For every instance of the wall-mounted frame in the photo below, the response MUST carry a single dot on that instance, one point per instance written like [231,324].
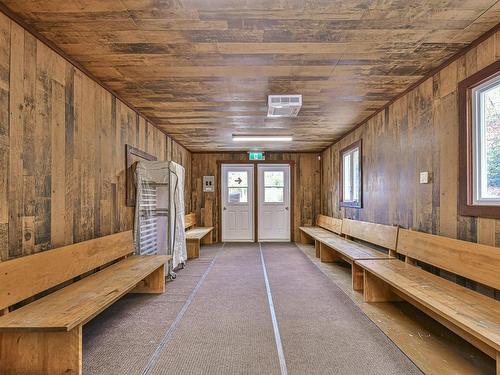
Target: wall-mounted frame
[351,176]
[473,160]
[133,155]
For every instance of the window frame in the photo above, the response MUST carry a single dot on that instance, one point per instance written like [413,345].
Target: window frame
[467,205]
[353,204]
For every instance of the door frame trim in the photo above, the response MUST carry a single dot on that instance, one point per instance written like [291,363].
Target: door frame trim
[255,192]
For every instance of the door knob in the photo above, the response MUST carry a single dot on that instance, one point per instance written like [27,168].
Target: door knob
[224,208]
[286,208]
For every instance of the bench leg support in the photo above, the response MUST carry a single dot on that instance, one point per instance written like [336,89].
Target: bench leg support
[328,255]
[376,290]
[41,353]
[304,238]
[357,277]
[193,249]
[154,283]
[317,247]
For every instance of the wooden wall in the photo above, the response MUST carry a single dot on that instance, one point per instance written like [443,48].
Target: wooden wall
[418,132]
[62,150]
[306,194]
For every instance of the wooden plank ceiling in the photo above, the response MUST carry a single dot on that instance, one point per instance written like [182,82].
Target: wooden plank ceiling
[201,69]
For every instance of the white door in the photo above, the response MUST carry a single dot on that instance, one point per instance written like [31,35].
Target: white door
[274,202]
[237,202]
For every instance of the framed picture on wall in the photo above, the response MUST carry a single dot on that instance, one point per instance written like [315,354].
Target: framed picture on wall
[133,155]
[351,188]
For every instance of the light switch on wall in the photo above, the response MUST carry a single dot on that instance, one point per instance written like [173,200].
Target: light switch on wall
[424,177]
[208,184]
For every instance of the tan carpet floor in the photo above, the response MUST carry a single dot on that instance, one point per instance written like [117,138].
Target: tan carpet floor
[215,319]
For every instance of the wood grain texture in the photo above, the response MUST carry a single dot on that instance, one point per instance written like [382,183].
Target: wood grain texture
[418,132]
[42,353]
[306,195]
[471,312]
[201,70]
[78,303]
[476,262]
[330,223]
[62,150]
[27,276]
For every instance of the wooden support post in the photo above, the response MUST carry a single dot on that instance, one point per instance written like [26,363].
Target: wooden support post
[317,245]
[327,254]
[41,353]
[377,290]
[193,248]
[357,276]
[207,240]
[305,238]
[154,283]
[498,363]
[411,261]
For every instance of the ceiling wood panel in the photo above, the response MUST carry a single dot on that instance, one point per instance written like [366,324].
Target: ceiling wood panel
[201,70]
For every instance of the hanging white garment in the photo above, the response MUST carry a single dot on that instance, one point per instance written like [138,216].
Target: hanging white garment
[177,212]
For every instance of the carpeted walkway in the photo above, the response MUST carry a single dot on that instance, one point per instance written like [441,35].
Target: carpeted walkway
[215,319]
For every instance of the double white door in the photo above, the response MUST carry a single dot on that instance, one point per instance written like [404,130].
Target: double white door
[272,200]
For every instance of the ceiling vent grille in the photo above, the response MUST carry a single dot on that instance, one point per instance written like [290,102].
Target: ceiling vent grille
[283,105]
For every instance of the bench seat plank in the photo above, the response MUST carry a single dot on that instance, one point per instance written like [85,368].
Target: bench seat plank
[353,250]
[470,311]
[197,233]
[79,302]
[316,232]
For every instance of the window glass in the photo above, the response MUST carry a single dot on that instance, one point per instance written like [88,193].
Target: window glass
[237,179]
[486,131]
[238,195]
[347,178]
[237,182]
[274,178]
[274,186]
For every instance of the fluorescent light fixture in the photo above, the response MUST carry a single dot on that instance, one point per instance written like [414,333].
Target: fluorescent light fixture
[262,138]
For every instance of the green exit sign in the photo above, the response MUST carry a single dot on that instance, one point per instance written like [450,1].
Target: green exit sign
[257,156]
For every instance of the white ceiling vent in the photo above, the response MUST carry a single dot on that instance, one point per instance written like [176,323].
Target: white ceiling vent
[283,105]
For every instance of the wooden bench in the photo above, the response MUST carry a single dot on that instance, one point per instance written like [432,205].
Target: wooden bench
[45,336]
[195,236]
[471,315]
[326,226]
[332,247]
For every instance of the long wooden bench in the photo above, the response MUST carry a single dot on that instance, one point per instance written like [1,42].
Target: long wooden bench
[331,247]
[471,315]
[45,336]
[195,236]
[326,226]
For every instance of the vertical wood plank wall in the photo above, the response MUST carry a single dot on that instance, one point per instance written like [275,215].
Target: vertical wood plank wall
[418,132]
[306,194]
[62,150]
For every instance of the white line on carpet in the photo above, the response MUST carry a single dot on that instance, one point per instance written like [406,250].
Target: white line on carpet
[277,337]
[168,334]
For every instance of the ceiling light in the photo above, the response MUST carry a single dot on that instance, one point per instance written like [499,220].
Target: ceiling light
[262,138]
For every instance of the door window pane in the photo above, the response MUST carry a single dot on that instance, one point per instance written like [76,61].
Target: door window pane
[486,131]
[274,178]
[237,195]
[274,186]
[237,179]
[273,195]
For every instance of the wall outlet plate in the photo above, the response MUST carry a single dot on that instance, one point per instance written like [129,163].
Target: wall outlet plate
[424,177]
[208,184]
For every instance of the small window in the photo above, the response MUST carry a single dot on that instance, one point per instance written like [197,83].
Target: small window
[237,183]
[486,142]
[274,186]
[480,143]
[350,176]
